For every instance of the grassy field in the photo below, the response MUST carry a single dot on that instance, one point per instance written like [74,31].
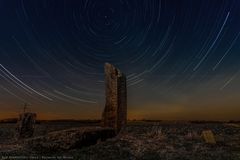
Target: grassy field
[140,140]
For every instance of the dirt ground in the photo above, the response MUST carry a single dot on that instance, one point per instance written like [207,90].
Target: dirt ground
[137,141]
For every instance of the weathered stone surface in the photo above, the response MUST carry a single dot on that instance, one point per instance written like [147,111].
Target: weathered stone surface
[208,137]
[25,125]
[115,111]
[69,139]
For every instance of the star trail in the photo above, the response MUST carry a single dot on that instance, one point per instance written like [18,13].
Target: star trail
[181,57]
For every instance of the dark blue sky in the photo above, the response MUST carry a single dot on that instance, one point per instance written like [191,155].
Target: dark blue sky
[181,57]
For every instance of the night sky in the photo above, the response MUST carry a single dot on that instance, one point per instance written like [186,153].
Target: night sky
[181,57]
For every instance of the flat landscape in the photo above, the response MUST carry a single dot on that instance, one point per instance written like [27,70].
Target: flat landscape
[139,140]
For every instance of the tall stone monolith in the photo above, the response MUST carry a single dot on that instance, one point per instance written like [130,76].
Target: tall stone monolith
[115,111]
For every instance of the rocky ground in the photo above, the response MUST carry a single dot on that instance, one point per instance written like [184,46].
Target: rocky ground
[143,141]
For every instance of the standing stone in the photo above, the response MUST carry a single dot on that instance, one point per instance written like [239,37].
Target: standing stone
[25,125]
[115,112]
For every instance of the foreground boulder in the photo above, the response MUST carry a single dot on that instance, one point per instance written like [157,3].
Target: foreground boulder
[69,139]
[209,137]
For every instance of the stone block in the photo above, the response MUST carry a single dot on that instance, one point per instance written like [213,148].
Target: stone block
[25,125]
[115,111]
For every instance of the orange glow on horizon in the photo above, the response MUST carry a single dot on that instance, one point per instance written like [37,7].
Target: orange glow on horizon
[153,113]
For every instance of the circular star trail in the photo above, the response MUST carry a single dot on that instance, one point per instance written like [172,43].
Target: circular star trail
[174,54]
